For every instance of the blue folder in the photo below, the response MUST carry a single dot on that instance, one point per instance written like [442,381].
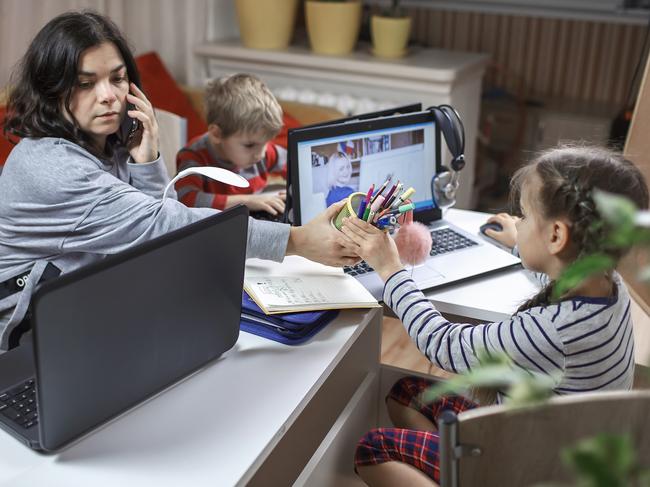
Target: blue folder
[287,328]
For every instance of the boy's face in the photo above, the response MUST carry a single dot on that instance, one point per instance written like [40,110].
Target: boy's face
[241,149]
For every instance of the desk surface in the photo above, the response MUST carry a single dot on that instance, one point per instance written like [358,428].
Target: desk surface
[215,428]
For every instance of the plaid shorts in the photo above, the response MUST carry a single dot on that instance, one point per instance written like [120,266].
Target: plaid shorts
[417,448]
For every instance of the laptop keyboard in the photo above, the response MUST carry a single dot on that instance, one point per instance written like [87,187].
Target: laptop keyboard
[447,240]
[19,404]
[444,240]
[357,269]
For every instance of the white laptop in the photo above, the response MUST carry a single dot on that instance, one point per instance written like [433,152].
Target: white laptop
[406,147]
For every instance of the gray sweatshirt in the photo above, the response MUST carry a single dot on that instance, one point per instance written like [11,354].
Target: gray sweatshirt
[60,204]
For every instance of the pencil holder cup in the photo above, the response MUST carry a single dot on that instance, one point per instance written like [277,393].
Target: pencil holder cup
[351,207]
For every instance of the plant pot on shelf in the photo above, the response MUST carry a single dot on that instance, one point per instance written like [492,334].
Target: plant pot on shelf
[333,27]
[390,35]
[266,24]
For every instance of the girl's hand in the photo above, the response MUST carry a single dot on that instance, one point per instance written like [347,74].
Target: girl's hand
[507,236]
[143,147]
[374,246]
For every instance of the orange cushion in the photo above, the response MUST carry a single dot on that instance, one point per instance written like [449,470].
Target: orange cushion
[5,145]
[288,123]
[164,93]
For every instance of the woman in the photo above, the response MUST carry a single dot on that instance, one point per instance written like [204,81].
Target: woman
[77,187]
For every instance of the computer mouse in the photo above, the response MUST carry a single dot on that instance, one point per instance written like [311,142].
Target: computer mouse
[491,225]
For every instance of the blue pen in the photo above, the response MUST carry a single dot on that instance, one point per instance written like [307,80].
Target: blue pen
[386,221]
[362,208]
[364,204]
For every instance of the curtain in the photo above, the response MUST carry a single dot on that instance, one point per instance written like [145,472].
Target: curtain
[170,27]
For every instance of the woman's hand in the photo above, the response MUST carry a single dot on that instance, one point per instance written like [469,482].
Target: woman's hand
[143,147]
[374,246]
[319,241]
[507,236]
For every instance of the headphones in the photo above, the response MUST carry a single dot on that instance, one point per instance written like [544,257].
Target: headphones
[445,184]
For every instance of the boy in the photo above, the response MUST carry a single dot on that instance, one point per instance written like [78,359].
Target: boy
[243,116]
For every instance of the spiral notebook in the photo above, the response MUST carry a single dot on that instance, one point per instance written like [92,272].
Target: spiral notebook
[298,284]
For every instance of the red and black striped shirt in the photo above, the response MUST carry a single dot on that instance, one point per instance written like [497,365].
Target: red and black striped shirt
[199,191]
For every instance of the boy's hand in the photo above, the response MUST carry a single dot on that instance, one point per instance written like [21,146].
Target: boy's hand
[270,203]
[507,236]
[374,246]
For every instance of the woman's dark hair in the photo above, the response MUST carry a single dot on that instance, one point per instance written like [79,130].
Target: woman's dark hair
[568,176]
[47,75]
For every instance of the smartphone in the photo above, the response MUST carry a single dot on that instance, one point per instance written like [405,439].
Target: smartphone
[129,126]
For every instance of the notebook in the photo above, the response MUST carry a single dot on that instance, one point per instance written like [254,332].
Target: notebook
[298,284]
[113,334]
[407,148]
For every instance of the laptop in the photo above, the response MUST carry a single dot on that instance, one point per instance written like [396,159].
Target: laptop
[287,216]
[110,335]
[406,147]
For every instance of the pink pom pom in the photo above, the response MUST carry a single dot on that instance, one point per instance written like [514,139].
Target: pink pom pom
[413,242]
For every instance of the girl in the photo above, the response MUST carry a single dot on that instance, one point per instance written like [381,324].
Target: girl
[339,172]
[76,187]
[585,338]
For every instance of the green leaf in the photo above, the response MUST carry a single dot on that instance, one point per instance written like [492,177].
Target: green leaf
[616,210]
[498,372]
[602,461]
[580,270]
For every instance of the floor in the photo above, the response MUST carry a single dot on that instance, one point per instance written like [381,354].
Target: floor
[398,349]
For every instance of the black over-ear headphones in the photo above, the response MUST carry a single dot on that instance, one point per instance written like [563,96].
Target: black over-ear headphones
[445,184]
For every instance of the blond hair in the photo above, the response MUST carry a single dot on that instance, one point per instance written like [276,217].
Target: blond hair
[335,159]
[242,103]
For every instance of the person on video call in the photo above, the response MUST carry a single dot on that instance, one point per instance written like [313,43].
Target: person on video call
[339,173]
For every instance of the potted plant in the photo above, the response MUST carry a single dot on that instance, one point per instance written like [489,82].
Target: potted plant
[268,24]
[390,32]
[333,25]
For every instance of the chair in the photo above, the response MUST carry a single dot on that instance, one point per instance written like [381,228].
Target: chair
[172,132]
[497,446]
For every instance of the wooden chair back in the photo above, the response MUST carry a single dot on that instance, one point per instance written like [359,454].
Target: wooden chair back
[499,446]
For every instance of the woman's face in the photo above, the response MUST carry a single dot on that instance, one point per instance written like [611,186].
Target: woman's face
[98,101]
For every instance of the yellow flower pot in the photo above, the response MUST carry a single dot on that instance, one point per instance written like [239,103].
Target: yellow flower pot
[390,35]
[266,24]
[333,27]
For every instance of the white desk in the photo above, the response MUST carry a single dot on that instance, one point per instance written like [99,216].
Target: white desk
[260,413]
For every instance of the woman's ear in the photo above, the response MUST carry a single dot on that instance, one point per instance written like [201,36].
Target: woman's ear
[559,237]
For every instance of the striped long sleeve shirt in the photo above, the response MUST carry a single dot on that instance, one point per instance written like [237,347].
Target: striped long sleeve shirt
[199,191]
[587,343]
